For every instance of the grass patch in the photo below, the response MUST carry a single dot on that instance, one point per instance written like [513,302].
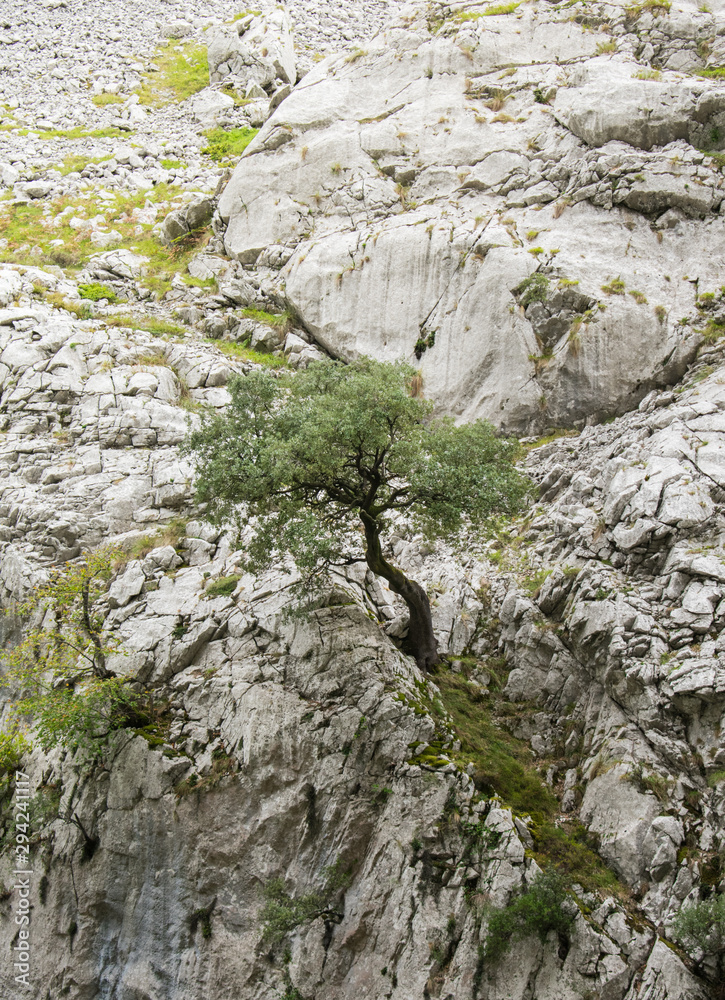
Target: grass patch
[223,587]
[241,352]
[183,71]
[81,310]
[560,432]
[80,133]
[74,164]
[501,8]
[503,767]
[156,327]
[503,763]
[39,223]
[225,144]
[101,100]
[570,849]
[714,73]
[171,534]
[280,320]
[655,7]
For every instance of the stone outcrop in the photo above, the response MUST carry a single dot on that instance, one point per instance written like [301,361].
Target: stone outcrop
[460,154]
[521,204]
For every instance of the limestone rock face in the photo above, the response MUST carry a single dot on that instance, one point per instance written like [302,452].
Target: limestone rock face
[528,206]
[293,745]
[459,155]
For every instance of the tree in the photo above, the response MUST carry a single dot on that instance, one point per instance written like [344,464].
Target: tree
[311,459]
[60,665]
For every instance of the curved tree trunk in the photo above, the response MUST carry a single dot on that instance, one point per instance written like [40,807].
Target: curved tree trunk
[420,632]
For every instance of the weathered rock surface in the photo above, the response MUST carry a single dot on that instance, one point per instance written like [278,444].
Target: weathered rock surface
[392,177]
[459,155]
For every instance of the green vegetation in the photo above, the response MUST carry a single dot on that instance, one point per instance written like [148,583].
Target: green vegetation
[503,763]
[713,73]
[13,746]
[183,71]
[280,320]
[281,913]
[654,7]
[74,699]
[80,133]
[79,163]
[615,287]
[223,587]
[603,48]
[39,224]
[95,292]
[242,352]
[156,327]
[701,926]
[648,74]
[503,767]
[535,288]
[314,458]
[227,144]
[101,100]
[639,297]
[538,910]
[202,918]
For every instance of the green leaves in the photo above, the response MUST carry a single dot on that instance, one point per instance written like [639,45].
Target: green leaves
[538,910]
[301,458]
[60,664]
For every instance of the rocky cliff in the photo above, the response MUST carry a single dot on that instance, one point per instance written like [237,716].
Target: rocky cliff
[523,200]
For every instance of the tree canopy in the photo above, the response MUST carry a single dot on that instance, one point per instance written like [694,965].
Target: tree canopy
[312,459]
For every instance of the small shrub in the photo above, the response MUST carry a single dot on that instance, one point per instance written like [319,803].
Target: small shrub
[701,926]
[202,918]
[95,292]
[538,910]
[281,913]
[535,288]
[156,327]
[13,746]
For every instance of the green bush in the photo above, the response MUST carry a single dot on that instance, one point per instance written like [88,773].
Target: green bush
[535,288]
[701,926]
[281,913]
[538,910]
[95,292]
[13,746]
